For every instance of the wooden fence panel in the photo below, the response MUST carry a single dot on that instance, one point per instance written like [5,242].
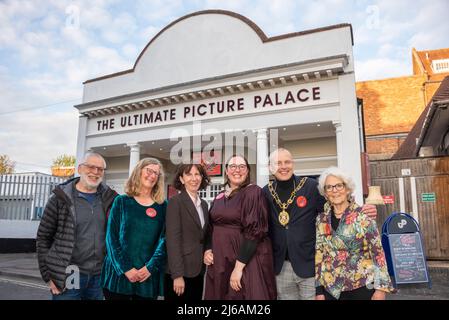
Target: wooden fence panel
[427,175]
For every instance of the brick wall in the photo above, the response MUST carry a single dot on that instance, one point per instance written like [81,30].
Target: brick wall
[390,106]
[380,149]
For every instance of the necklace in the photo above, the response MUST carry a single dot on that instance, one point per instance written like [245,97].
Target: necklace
[283,217]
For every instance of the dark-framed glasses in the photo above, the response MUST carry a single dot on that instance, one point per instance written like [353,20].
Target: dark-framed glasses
[338,187]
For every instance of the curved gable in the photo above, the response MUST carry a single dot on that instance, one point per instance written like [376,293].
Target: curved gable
[209,44]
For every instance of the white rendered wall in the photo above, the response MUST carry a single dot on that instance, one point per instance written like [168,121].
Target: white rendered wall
[211,45]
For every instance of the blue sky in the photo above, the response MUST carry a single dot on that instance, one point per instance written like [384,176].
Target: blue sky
[48,48]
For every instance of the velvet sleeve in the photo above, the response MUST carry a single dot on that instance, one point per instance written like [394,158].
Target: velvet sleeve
[118,255]
[159,258]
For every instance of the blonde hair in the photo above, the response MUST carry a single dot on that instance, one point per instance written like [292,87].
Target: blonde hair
[132,186]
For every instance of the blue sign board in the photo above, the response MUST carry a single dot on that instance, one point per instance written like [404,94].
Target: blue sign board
[403,246]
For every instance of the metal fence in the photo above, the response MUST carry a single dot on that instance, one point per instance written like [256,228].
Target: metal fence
[23,196]
[210,192]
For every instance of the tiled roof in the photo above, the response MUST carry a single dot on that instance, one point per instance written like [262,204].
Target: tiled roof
[427,56]
[410,148]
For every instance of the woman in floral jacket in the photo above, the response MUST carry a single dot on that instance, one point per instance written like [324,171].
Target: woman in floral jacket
[349,262]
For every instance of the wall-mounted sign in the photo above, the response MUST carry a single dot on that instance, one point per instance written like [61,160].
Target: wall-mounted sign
[428,197]
[301,95]
[406,172]
[388,199]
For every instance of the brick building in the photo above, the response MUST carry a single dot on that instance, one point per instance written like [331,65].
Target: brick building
[392,106]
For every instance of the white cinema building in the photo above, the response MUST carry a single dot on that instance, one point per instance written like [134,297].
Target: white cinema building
[217,72]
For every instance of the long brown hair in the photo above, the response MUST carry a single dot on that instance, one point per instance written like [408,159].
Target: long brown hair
[247,180]
[132,186]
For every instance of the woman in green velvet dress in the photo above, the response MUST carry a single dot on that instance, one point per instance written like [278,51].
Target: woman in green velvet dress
[134,266]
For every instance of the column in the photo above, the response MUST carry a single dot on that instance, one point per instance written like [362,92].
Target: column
[134,155]
[262,157]
[339,138]
[81,141]
[349,141]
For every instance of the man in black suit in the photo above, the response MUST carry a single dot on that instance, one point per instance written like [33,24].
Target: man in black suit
[294,205]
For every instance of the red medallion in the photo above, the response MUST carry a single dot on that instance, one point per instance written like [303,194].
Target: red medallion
[301,202]
[151,212]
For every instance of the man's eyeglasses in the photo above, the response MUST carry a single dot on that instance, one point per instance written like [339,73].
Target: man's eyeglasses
[338,187]
[93,168]
[241,167]
[151,172]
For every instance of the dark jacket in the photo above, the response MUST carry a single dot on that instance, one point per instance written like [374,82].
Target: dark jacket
[56,233]
[299,235]
[185,238]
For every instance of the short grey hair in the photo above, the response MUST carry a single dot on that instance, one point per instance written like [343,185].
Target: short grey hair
[275,153]
[273,156]
[337,173]
[90,154]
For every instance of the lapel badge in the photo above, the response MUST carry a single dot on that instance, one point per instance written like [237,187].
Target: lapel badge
[301,201]
[151,212]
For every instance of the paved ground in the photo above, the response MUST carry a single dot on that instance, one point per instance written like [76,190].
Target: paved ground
[20,280]
[12,288]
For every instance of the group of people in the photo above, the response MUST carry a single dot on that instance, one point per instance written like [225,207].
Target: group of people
[296,238]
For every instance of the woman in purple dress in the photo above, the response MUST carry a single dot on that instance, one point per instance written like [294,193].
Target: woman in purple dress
[239,258]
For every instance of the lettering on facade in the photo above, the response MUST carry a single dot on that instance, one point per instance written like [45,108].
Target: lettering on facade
[211,109]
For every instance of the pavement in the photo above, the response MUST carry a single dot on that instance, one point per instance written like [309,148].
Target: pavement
[24,266]
[20,265]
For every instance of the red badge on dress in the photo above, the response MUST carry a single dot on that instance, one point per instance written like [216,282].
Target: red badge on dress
[301,202]
[219,196]
[151,212]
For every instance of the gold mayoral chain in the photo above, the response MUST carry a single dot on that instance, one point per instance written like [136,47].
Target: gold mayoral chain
[284,218]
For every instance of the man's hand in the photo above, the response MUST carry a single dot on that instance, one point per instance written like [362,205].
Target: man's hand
[54,290]
[320,297]
[370,210]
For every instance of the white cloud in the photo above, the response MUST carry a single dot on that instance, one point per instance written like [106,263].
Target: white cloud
[38,137]
[381,68]
[47,49]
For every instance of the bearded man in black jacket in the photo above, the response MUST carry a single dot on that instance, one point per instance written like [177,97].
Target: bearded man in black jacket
[71,235]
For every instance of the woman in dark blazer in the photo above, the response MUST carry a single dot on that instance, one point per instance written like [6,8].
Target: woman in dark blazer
[186,224]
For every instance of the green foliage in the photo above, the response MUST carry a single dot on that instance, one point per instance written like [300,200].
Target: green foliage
[64,161]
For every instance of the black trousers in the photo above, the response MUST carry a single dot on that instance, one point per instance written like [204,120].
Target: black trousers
[108,295]
[362,293]
[193,291]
